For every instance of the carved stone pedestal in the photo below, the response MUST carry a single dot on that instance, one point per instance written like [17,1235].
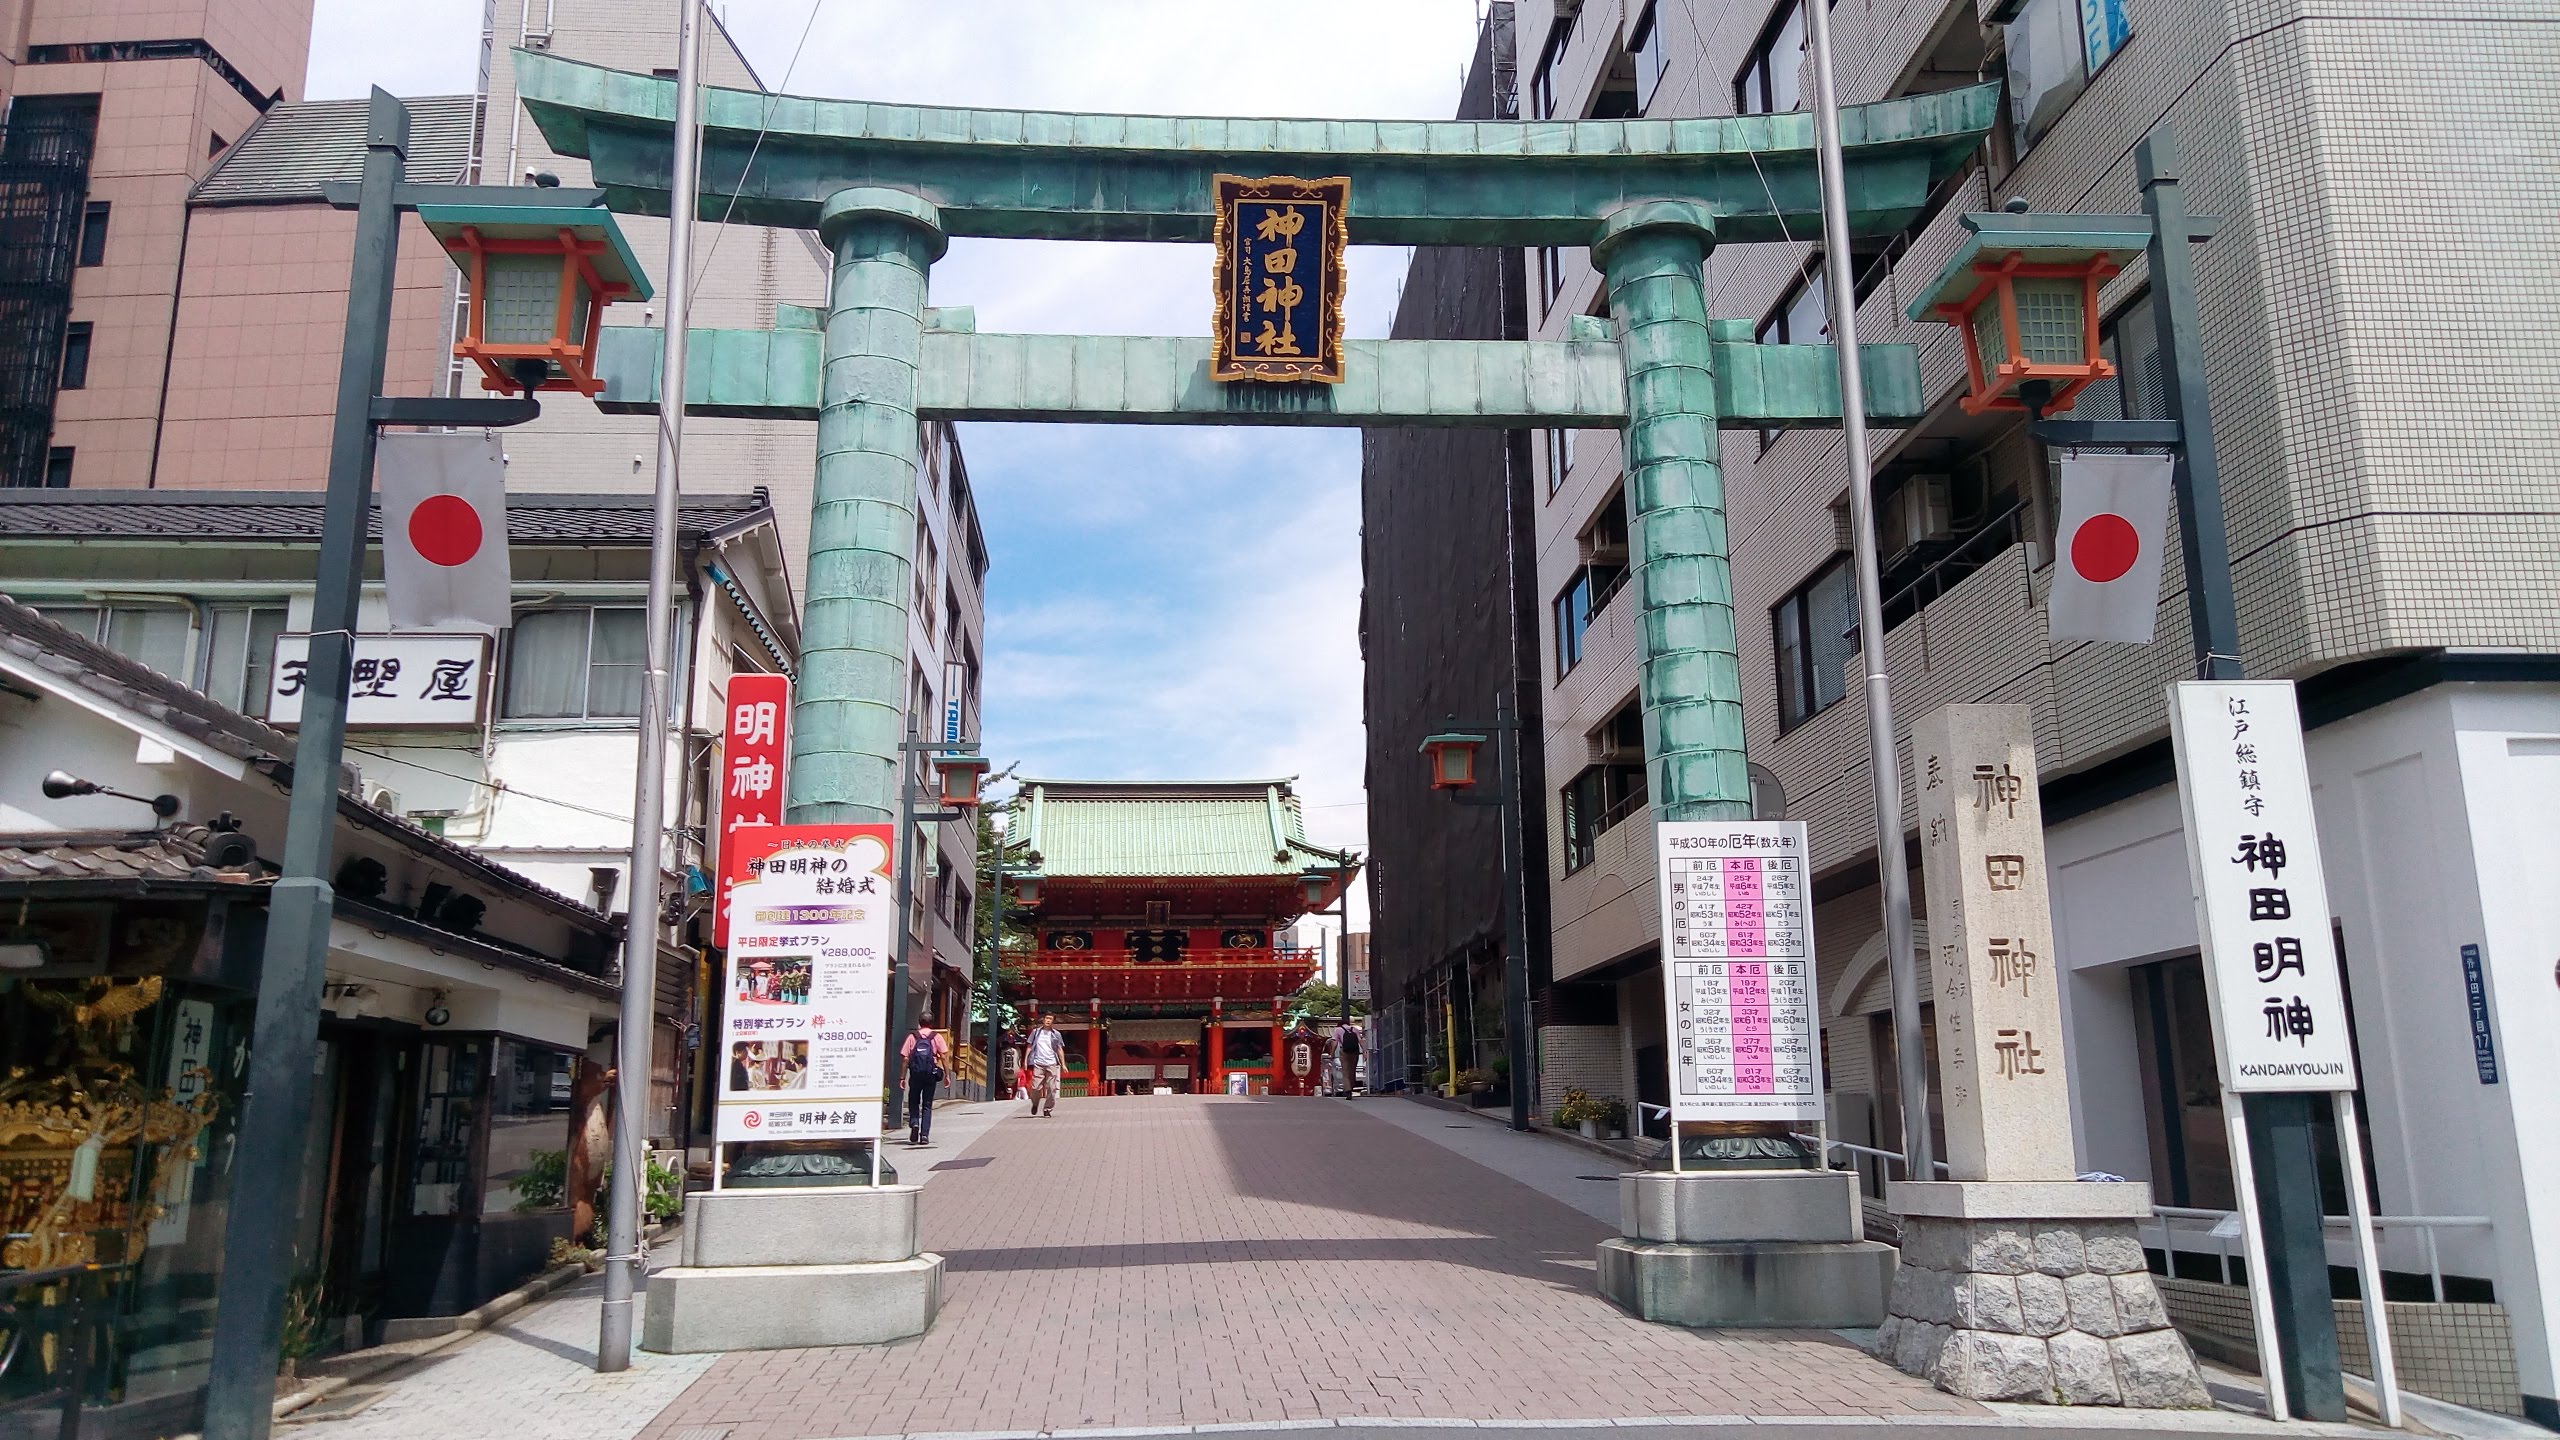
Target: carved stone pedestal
[2033,1292]
[793,1269]
[1778,1249]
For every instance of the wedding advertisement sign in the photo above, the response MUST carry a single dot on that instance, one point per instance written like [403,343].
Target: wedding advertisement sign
[812,927]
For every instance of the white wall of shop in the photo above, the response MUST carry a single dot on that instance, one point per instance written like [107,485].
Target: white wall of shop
[2440,826]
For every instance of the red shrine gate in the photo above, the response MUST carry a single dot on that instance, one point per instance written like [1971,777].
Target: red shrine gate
[1159,909]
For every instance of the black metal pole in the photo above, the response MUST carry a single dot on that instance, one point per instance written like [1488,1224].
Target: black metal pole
[258,1241]
[1515,928]
[2279,1126]
[1342,960]
[992,968]
[896,1088]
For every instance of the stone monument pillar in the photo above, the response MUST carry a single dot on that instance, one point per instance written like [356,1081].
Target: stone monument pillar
[2018,1281]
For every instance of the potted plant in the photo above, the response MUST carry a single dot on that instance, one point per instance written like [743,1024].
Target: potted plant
[1475,1080]
[1598,1117]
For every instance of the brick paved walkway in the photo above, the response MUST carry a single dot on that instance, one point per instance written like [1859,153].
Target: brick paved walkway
[1164,1260]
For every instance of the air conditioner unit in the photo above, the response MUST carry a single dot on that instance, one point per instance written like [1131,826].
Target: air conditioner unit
[1915,515]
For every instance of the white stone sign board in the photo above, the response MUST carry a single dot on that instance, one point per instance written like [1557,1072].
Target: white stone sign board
[2262,902]
[1737,969]
[417,681]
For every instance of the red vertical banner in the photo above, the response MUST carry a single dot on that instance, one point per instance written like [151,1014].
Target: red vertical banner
[755,751]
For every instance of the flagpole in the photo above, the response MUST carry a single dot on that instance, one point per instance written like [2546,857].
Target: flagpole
[648,808]
[1884,763]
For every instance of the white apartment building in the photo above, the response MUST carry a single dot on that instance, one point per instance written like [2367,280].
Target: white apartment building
[2377,310]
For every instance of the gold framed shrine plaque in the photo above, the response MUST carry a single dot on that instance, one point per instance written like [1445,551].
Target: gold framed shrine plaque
[1281,242]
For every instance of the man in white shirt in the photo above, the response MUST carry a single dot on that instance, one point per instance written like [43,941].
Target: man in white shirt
[1048,1058]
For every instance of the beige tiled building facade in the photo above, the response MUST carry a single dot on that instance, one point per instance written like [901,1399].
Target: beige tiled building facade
[2378,308]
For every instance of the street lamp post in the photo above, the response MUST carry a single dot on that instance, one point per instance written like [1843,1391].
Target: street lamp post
[258,1239]
[1337,878]
[1454,768]
[957,765]
[2040,370]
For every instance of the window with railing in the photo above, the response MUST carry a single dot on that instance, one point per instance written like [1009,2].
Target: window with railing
[1938,521]
[1814,629]
[1599,797]
[1590,588]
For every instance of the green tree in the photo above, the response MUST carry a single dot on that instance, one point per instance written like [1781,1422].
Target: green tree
[1320,1000]
[1003,927]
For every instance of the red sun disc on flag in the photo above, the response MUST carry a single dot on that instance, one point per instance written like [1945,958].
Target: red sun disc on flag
[2104,548]
[445,530]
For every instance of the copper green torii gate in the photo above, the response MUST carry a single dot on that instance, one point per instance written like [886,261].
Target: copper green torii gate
[886,186]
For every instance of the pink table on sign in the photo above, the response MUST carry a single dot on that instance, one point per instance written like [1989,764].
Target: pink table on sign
[1754,1049]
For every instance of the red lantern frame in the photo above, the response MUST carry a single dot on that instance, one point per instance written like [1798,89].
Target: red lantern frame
[1441,747]
[576,361]
[1997,389]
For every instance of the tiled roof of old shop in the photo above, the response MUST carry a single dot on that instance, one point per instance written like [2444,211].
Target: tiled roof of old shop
[292,517]
[156,856]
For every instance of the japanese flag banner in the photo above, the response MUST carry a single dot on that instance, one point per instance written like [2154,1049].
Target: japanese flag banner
[2115,524]
[444,531]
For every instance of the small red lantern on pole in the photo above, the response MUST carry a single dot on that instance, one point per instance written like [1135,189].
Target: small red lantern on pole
[539,279]
[1453,759]
[961,775]
[2023,291]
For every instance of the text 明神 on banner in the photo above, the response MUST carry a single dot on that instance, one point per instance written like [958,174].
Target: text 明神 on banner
[812,928]
[755,754]
[2262,903]
[1737,968]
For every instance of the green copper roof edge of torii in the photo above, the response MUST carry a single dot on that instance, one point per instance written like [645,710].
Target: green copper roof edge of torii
[1164,380]
[1065,176]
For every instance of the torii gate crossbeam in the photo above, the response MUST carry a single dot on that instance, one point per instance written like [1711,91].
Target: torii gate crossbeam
[886,186]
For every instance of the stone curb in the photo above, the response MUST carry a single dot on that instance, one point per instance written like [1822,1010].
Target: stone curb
[2002,1418]
[1536,1127]
[363,1365]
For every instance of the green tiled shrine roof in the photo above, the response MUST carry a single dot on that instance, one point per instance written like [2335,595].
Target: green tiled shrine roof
[1104,829]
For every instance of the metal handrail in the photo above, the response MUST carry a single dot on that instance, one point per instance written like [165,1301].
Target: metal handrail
[1929,572]
[1895,1156]
[2425,1225]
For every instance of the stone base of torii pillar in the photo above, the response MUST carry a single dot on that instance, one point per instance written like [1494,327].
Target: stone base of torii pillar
[2033,1291]
[1766,1249]
[794,1269]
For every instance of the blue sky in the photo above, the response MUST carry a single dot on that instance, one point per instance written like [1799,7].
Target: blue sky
[1165,603]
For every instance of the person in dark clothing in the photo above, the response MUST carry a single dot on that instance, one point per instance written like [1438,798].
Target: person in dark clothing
[924,1052]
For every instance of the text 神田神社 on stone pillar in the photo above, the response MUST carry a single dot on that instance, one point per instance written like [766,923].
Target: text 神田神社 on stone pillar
[1999,1002]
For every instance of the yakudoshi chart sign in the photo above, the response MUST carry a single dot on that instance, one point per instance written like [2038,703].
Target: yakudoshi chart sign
[1737,964]
[811,932]
[755,750]
[2262,903]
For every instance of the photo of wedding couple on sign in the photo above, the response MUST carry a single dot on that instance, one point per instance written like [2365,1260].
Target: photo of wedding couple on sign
[774,982]
[784,1065]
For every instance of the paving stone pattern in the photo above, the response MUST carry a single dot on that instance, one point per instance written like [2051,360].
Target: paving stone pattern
[1170,1260]
[529,1378]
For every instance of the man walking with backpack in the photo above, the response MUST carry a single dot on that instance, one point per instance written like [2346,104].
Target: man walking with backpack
[924,1052]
